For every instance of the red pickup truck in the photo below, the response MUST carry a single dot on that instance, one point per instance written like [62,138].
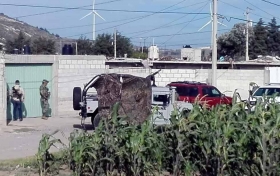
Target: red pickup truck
[190,91]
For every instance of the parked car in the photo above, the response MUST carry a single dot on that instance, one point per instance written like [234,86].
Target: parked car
[189,91]
[258,92]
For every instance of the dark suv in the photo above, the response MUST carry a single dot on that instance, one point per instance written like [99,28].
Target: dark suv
[189,91]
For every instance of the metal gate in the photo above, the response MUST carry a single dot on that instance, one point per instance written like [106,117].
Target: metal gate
[30,77]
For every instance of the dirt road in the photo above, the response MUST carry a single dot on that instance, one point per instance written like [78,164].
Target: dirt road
[21,139]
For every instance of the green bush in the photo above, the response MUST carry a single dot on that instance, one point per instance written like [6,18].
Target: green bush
[225,140]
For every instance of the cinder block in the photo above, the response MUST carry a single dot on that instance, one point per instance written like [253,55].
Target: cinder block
[98,66]
[74,62]
[80,62]
[83,66]
[165,79]
[190,71]
[174,71]
[166,71]
[63,62]
[92,66]
[77,66]
[181,70]
[177,75]
[72,66]
[87,66]
[192,75]
[66,66]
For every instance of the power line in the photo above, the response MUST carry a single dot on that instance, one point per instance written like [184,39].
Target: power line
[142,17]
[43,13]
[77,26]
[185,44]
[185,25]
[186,33]
[271,3]
[108,10]
[164,24]
[241,9]
[261,9]
[144,31]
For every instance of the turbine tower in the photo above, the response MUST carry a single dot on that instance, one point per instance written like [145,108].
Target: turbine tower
[211,21]
[94,12]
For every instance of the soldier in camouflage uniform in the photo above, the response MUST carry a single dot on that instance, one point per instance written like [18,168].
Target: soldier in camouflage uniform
[45,95]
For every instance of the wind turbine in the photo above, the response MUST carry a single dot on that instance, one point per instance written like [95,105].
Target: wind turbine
[94,12]
[211,21]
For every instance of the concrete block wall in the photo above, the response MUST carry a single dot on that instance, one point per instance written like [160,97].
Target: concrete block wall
[3,94]
[229,80]
[75,72]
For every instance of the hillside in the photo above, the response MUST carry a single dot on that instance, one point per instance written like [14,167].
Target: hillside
[10,28]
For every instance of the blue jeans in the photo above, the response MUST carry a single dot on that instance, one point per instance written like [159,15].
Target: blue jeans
[17,107]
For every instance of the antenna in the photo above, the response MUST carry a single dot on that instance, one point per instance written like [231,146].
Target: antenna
[94,12]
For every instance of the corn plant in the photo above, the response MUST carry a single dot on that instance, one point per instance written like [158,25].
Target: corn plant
[45,160]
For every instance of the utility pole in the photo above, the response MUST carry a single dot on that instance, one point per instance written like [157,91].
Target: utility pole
[247,34]
[115,44]
[76,48]
[214,43]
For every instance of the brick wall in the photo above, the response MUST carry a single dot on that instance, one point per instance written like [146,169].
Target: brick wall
[75,72]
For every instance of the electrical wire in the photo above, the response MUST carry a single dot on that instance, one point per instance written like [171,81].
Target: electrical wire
[167,26]
[186,24]
[77,26]
[108,10]
[142,17]
[186,33]
[271,3]
[164,25]
[261,9]
[241,9]
[43,13]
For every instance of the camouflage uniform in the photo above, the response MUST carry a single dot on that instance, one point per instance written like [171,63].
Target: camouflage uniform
[44,92]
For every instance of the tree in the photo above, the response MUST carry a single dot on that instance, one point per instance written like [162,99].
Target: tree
[18,43]
[43,46]
[273,40]
[233,43]
[104,44]
[259,45]
[85,46]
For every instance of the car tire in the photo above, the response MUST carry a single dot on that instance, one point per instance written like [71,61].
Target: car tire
[77,98]
[95,121]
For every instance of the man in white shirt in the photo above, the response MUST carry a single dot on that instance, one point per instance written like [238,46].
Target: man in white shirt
[17,95]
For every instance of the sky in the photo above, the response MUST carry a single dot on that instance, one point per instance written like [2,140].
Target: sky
[169,30]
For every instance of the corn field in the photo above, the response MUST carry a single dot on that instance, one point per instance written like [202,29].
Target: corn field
[225,140]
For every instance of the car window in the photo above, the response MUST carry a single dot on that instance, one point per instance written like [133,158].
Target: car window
[267,91]
[211,92]
[187,91]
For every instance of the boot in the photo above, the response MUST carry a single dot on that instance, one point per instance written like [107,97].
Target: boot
[44,117]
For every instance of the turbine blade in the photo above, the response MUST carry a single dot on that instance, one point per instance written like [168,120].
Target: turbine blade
[205,25]
[222,24]
[86,15]
[98,15]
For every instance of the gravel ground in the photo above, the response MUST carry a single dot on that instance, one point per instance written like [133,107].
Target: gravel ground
[21,139]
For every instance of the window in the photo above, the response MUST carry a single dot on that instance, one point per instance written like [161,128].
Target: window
[211,92]
[161,98]
[187,91]
[267,91]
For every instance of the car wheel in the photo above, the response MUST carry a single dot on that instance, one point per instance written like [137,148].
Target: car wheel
[77,97]
[95,121]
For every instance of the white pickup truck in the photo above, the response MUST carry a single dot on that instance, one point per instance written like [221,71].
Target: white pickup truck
[259,92]
[162,97]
